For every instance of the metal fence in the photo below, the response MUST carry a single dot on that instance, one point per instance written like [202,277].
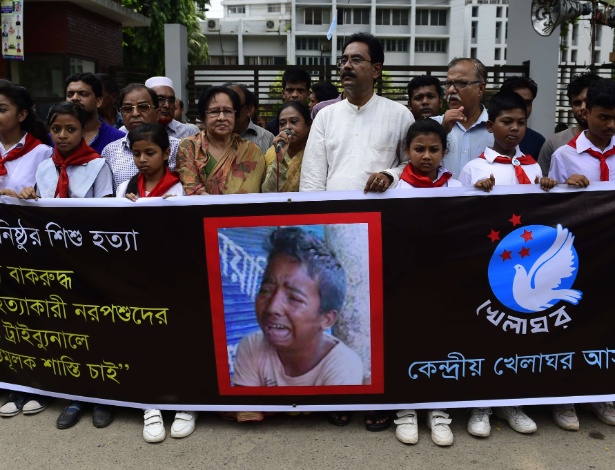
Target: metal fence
[265,81]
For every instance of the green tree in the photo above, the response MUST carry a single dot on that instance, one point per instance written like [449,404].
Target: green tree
[144,47]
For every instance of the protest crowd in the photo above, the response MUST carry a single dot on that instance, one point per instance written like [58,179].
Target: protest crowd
[134,144]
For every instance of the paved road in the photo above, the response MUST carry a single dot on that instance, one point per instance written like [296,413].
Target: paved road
[297,443]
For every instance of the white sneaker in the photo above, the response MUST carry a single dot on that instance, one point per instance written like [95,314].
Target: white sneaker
[517,419]
[478,424]
[407,427]
[438,422]
[604,412]
[153,427]
[565,416]
[184,424]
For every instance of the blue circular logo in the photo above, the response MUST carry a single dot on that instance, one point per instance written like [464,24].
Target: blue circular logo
[534,267]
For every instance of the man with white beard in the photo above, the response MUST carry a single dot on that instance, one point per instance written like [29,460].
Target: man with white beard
[466,119]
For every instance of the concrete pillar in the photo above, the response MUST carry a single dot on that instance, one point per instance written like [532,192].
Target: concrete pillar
[350,244]
[525,44]
[176,58]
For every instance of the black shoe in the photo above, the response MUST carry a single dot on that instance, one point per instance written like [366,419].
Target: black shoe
[70,416]
[102,416]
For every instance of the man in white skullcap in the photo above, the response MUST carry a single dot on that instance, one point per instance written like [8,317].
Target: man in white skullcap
[163,87]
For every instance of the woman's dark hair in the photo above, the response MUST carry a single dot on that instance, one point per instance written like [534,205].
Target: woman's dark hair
[300,107]
[207,95]
[152,132]
[20,97]
[66,107]
[426,126]
[321,263]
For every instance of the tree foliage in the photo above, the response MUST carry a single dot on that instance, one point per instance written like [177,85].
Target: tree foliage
[144,47]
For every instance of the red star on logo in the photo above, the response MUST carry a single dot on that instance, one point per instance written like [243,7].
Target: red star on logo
[515,220]
[527,236]
[506,255]
[524,252]
[494,236]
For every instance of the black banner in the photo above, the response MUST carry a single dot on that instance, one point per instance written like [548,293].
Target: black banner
[451,297]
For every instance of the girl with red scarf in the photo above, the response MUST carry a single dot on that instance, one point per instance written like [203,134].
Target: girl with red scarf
[23,140]
[75,169]
[150,148]
[425,147]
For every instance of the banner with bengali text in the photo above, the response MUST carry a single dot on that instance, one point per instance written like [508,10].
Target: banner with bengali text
[453,298]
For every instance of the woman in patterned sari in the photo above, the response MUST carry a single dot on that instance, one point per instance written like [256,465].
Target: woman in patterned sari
[216,161]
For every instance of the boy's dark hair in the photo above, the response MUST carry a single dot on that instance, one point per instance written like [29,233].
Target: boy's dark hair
[518,82]
[601,93]
[88,78]
[325,91]
[505,101]
[21,98]
[321,263]
[139,86]
[296,75]
[579,83]
[376,53]
[425,80]
[300,107]
[152,132]
[66,107]
[427,126]
[208,94]
[249,96]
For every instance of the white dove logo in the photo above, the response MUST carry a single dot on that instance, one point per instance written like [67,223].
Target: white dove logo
[540,288]
[534,267]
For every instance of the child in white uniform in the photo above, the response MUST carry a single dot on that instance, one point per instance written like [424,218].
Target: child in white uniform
[23,140]
[425,147]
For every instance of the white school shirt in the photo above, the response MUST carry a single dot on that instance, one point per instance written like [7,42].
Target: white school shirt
[92,179]
[347,143]
[504,174]
[21,172]
[567,161]
[176,190]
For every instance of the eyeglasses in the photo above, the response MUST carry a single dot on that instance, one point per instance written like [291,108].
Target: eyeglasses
[162,100]
[354,61]
[141,108]
[460,84]
[214,113]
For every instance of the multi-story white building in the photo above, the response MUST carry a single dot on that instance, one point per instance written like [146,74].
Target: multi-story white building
[413,32]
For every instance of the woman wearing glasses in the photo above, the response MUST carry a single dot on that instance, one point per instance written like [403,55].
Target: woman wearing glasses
[216,161]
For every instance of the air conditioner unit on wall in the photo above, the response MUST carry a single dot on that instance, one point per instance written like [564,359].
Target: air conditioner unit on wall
[213,24]
[272,25]
[325,47]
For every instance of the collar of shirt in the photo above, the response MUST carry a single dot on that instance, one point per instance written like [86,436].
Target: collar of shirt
[491,155]
[583,143]
[251,129]
[358,109]
[21,143]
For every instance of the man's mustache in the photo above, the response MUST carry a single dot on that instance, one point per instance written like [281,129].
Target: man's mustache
[348,73]
[454,96]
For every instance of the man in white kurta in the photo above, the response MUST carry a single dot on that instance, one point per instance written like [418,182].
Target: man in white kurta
[357,139]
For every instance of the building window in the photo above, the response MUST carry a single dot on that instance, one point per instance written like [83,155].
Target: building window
[320,60]
[395,45]
[237,10]
[475,12]
[474,31]
[598,35]
[317,16]
[353,16]
[274,8]
[563,56]
[395,17]
[498,12]
[430,45]
[596,57]
[573,56]
[498,54]
[430,17]
[498,32]
[308,44]
[265,60]
[223,60]
[473,53]
[340,43]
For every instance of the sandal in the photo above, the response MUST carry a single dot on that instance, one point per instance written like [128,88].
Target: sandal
[13,405]
[380,420]
[339,418]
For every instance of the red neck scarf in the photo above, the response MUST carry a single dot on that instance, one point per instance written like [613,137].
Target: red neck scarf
[30,143]
[412,177]
[516,162]
[604,168]
[81,156]
[169,179]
